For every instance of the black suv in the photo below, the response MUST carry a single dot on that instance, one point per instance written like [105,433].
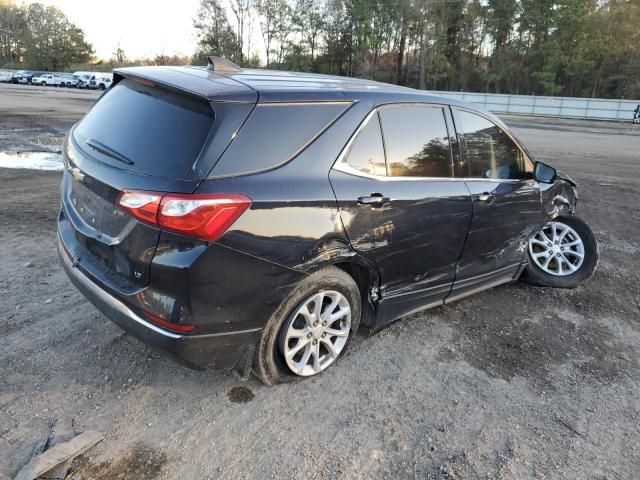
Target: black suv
[255,220]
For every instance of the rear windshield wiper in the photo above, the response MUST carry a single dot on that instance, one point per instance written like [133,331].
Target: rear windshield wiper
[109,152]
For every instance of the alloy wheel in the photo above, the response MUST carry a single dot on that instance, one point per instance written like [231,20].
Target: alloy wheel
[557,249]
[317,332]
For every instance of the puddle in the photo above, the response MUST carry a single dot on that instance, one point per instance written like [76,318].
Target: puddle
[32,160]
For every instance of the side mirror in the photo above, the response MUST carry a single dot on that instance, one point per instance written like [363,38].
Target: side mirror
[544,173]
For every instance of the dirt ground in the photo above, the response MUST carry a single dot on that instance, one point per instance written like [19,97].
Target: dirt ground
[516,382]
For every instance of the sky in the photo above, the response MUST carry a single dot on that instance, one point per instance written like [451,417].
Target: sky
[144,28]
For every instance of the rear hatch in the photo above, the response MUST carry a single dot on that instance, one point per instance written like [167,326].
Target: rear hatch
[142,135]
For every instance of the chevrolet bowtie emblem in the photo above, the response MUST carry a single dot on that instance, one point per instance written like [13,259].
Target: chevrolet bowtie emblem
[77,174]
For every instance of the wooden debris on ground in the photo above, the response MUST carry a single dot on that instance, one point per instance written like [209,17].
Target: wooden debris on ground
[59,454]
[62,432]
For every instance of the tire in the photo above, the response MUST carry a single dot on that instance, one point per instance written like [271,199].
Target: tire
[534,273]
[44,84]
[102,87]
[269,363]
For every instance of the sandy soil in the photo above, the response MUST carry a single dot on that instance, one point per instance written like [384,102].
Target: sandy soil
[516,382]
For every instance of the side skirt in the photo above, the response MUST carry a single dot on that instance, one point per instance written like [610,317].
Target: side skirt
[459,291]
[470,286]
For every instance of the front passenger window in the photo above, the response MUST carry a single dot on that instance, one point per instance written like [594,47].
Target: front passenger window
[490,152]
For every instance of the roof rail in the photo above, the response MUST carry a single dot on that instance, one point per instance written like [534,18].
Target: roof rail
[219,64]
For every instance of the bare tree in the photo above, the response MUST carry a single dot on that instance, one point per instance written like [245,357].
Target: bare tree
[240,9]
[119,57]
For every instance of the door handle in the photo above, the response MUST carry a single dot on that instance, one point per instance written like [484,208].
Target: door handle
[375,200]
[484,197]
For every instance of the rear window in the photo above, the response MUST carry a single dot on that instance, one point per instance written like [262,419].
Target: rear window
[274,134]
[146,129]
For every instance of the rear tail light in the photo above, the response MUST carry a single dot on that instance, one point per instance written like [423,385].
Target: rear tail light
[204,216]
[142,205]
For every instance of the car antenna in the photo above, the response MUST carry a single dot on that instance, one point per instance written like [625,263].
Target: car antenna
[219,64]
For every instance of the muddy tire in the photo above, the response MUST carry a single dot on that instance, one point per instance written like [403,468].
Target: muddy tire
[292,327]
[562,255]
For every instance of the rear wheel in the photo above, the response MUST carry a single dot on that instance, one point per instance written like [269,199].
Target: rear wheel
[562,254]
[311,329]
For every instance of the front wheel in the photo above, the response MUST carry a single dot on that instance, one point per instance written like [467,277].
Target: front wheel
[311,329]
[563,254]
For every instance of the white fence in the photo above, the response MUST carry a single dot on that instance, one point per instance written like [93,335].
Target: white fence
[562,107]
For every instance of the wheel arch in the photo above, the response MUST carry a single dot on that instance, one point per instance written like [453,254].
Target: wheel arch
[368,281]
[338,253]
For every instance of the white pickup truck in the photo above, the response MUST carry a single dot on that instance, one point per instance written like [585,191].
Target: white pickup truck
[101,81]
[46,80]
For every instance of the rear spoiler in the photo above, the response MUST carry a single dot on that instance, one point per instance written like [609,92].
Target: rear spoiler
[191,81]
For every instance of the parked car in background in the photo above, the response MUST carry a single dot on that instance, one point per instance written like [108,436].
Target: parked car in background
[84,81]
[84,78]
[5,76]
[30,78]
[46,80]
[101,81]
[25,77]
[16,76]
[68,81]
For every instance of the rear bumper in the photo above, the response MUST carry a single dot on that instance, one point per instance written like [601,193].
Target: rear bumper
[222,351]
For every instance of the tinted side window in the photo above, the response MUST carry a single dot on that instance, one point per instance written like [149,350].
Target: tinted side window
[367,152]
[490,152]
[417,141]
[275,133]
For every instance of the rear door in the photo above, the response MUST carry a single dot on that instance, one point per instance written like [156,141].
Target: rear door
[400,205]
[506,199]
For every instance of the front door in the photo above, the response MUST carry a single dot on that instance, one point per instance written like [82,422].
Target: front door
[401,207]
[507,207]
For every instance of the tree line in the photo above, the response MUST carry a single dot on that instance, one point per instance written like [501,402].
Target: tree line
[544,47]
[40,37]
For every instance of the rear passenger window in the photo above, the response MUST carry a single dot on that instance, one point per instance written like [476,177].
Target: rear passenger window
[274,133]
[367,152]
[416,141]
[490,152]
